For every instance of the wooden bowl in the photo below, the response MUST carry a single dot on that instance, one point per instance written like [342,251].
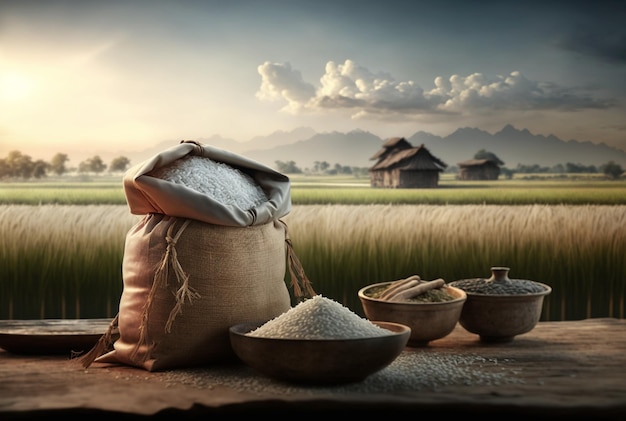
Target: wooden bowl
[499,318]
[318,361]
[428,320]
[499,308]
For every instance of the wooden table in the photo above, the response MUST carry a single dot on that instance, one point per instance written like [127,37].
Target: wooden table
[575,369]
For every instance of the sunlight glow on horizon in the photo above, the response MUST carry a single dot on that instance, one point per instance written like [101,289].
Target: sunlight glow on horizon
[109,77]
[15,87]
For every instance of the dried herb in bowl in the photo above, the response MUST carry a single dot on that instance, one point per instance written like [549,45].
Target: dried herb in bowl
[413,289]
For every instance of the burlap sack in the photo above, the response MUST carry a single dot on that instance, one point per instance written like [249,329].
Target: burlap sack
[193,267]
[146,194]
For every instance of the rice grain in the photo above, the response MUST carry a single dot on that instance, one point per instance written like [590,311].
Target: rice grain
[218,180]
[319,318]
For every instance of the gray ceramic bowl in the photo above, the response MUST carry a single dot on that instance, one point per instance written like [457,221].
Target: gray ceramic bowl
[501,315]
[318,361]
[428,321]
[499,318]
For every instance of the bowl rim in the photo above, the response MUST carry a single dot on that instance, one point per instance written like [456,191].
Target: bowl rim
[241,329]
[363,296]
[547,289]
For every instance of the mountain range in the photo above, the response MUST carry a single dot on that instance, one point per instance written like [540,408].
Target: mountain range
[304,146]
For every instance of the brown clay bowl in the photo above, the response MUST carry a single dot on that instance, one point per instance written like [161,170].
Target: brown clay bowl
[318,361]
[500,317]
[428,321]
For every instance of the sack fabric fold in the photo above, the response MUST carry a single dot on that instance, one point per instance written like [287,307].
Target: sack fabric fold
[146,194]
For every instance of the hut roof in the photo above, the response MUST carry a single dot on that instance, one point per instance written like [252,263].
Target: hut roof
[415,158]
[390,145]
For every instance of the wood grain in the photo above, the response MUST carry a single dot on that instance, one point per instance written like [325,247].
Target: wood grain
[573,369]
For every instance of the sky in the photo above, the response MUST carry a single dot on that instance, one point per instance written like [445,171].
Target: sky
[127,75]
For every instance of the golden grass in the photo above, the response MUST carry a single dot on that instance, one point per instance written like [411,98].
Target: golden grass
[579,250]
[55,254]
[69,257]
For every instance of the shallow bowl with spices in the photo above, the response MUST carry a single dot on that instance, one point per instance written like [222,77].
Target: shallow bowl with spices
[499,308]
[318,361]
[428,320]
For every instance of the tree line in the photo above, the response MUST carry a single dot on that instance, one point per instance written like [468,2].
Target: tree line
[610,169]
[321,168]
[17,165]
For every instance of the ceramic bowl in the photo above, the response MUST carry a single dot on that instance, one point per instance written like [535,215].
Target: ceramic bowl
[318,361]
[502,314]
[428,320]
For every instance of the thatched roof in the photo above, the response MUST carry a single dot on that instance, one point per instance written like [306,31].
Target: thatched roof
[392,144]
[414,158]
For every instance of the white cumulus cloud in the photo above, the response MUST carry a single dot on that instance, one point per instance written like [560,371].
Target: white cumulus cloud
[354,88]
[279,81]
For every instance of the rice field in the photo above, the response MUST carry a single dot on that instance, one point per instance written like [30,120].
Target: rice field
[64,261]
[308,190]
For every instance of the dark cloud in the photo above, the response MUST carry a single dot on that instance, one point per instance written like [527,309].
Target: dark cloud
[605,45]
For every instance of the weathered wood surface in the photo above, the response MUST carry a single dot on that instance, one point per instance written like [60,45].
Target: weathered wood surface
[575,369]
[51,336]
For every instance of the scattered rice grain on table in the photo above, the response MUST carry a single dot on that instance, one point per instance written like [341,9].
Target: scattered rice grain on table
[324,318]
[410,372]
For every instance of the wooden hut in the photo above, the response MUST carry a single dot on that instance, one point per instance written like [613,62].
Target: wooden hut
[401,165]
[479,169]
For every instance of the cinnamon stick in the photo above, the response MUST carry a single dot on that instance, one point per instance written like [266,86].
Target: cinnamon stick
[400,285]
[416,290]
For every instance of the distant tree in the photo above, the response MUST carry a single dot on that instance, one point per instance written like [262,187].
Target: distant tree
[340,169]
[483,154]
[572,168]
[57,164]
[580,168]
[452,169]
[18,165]
[120,163]
[287,167]
[336,169]
[531,169]
[359,172]
[5,172]
[558,169]
[93,164]
[40,169]
[320,167]
[612,170]
[507,173]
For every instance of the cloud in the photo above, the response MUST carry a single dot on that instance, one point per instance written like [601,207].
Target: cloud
[355,89]
[608,45]
[279,81]
[475,93]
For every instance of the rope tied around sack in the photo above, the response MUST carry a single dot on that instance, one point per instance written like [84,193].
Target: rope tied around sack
[299,280]
[161,276]
[185,292]
[170,259]
[198,149]
[104,344]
